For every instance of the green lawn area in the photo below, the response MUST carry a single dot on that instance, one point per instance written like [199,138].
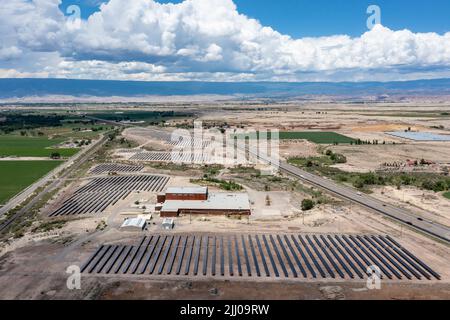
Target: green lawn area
[13,145]
[319,137]
[447,195]
[17,175]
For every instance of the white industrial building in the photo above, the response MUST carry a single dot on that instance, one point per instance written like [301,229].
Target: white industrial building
[134,224]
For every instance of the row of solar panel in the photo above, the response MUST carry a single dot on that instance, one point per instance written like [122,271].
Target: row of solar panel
[115,167]
[169,157]
[129,182]
[289,256]
[100,193]
[90,202]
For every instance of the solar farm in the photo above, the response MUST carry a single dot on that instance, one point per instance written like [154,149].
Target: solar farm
[168,157]
[114,167]
[145,217]
[316,256]
[100,193]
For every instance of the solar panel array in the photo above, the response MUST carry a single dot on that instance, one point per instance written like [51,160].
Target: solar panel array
[100,193]
[167,157]
[113,167]
[128,182]
[89,202]
[190,143]
[270,256]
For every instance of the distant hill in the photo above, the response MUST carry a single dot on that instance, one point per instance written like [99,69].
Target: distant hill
[21,88]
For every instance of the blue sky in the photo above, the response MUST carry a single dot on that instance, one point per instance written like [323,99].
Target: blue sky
[312,18]
[225,40]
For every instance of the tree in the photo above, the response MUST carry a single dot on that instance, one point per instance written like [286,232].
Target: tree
[307,204]
[268,201]
[55,155]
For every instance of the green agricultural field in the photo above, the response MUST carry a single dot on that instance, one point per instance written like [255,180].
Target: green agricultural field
[17,175]
[447,195]
[13,145]
[145,116]
[316,137]
[319,137]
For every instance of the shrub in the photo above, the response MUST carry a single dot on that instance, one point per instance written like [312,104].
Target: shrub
[338,158]
[307,204]
[427,185]
[358,183]
[439,186]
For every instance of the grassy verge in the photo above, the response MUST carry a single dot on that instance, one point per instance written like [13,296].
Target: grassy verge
[49,226]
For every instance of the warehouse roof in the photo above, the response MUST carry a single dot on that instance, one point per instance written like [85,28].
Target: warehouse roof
[134,223]
[187,190]
[216,201]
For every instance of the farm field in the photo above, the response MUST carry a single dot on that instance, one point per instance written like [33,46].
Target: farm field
[136,116]
[319,137]
[19,146]
[17,175]
[75,131]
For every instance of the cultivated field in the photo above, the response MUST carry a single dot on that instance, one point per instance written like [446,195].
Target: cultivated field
[18,146]
[17,175]
[319,137]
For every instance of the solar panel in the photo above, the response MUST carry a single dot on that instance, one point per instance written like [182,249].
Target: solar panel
[347,256]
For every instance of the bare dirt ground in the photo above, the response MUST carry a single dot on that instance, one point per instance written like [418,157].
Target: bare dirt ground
[432,206]
[371,157]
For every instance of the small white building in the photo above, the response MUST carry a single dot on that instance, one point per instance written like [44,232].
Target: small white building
[168,223]
[134,224]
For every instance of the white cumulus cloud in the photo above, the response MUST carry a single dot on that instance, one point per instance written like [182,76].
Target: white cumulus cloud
[205,39]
